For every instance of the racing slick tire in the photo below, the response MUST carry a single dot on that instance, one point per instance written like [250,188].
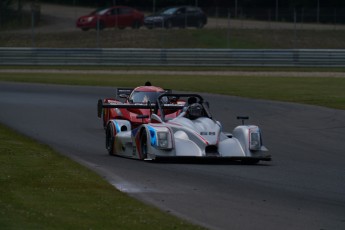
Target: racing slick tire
[109,139]
[250,161]
[143,144]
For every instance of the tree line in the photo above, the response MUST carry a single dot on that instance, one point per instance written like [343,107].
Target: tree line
[209,3]
[333,11]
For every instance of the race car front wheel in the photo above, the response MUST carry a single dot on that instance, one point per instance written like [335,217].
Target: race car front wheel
[143,144]
[109,139]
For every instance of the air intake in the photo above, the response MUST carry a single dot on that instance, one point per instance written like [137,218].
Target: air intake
[211,150]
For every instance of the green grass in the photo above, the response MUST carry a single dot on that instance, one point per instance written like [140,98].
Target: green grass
[181,68]
[180,38]
[41,189]
[322,91]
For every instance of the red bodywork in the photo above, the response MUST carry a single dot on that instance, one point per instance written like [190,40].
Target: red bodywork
[117,16]
[141,95]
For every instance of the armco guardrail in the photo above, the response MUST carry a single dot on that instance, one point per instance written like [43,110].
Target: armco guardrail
[173,57]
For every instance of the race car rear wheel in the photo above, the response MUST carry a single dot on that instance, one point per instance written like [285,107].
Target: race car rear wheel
[250,161]
[143,144]
[109,139]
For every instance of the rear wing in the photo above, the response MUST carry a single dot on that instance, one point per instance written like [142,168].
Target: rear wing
[153,107]
[128,91]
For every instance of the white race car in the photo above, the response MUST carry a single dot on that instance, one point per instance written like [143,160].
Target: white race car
[194,133]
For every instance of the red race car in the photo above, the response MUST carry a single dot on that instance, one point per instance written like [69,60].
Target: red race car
[138,106]
[117,16]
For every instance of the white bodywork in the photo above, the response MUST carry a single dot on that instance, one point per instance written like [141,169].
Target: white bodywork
[202,137]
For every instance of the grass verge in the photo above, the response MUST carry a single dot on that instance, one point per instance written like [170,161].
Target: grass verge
[41,189]
[180,38]
[181,68]
[322,91]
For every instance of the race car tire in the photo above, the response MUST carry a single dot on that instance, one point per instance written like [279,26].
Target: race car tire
[109,139]
[143,144]
[250,161]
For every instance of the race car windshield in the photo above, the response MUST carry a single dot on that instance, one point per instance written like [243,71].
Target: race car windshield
[144,97]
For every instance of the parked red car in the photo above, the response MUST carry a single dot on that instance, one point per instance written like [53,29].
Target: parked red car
[116,16]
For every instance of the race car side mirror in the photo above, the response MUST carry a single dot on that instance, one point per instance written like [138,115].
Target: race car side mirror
[243,118]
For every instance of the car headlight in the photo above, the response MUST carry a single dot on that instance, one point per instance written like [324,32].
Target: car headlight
[89,19]
[163,141]
[157,19]
[254,140]
[160,138]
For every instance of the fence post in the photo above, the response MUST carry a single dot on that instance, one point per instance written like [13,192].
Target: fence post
[277,8]
[217,17]
[32,28]
[228,34]
[318,11]
[335,18]
[97,33]
[154,7]
[295,27]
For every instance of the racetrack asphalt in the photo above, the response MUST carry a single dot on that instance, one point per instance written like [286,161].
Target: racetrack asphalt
[302,188]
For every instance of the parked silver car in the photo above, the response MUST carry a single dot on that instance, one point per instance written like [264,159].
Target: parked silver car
[179,16]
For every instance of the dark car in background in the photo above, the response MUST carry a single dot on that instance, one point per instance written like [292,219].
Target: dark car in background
[178,16]
[117,16]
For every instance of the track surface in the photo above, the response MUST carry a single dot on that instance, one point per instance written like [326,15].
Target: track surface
[302,188]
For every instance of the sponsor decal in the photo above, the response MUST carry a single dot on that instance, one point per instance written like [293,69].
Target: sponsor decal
[117,127]
[207,133]
[152,135]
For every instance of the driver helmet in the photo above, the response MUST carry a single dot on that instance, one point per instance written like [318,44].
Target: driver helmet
[145,99]
[195,110]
